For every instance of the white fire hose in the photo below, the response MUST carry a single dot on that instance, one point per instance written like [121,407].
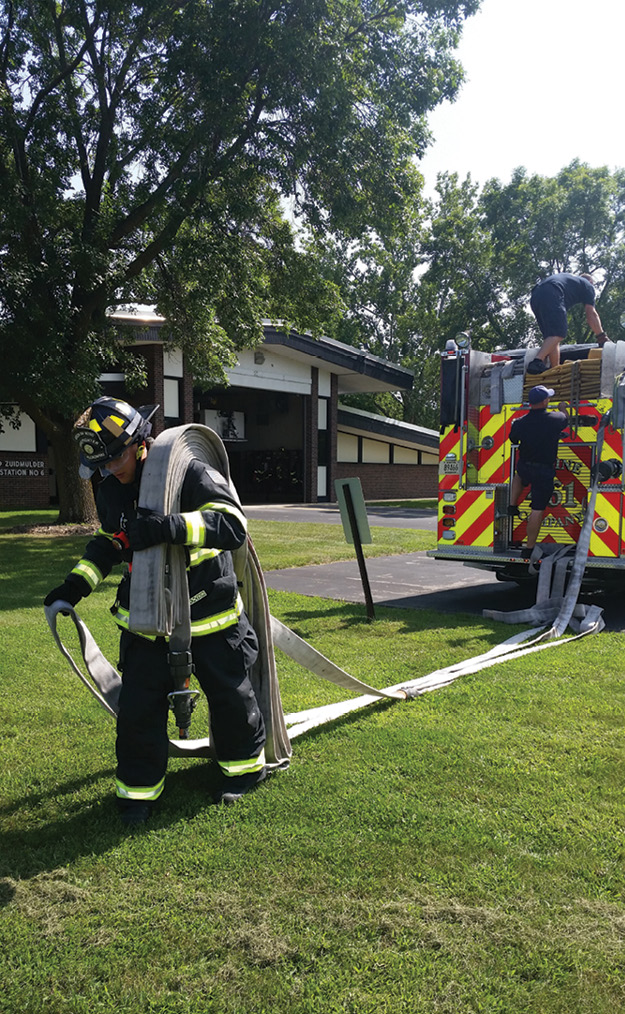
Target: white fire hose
[159,605]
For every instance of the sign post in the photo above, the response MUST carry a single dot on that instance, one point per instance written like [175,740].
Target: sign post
[356,529]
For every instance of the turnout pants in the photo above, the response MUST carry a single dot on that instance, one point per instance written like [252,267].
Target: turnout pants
[222,665]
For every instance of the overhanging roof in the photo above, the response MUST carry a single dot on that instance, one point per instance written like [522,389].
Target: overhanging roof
[358,422]
[356,369]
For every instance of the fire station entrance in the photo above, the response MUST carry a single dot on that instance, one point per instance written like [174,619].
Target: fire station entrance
[264,435]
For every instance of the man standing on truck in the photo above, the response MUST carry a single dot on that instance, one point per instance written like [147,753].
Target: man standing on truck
[550,301]
[537,435]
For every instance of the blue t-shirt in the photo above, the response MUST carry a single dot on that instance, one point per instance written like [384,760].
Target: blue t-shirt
[538,434]
[572,289]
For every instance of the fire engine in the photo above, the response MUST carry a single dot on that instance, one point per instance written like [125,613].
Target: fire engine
[481,394]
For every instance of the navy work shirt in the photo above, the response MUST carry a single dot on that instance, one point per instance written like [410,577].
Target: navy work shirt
[571,288]
[538,434]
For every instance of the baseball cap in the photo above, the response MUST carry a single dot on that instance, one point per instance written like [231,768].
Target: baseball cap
[538,394]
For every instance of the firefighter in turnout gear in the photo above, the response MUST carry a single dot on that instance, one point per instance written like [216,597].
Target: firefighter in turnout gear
[115,439]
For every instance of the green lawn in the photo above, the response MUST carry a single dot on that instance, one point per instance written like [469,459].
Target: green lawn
[13,519]
[289,544]
[426,504]
[461,853]
[282,544]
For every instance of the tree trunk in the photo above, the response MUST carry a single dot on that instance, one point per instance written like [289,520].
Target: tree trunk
[76,503]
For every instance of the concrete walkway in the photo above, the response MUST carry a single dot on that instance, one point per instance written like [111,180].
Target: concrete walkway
[410,580]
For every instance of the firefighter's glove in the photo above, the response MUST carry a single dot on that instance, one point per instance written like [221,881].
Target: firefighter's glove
[66,592]
[150,529]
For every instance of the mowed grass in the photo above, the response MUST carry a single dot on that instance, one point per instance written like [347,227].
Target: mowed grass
[280,544]
[459,853]
[289,544]
[428,503]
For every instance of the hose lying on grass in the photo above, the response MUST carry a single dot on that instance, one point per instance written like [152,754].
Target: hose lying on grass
[160,592]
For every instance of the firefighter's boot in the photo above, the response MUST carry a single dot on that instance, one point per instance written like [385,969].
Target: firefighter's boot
[232,789]
[134,813]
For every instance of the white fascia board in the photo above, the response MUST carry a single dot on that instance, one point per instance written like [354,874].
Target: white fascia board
[385,438]
[275,373]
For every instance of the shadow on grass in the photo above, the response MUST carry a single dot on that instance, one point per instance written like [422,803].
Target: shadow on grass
[343,722]
[21,518]
[409,621]
[93,829]
[36,799]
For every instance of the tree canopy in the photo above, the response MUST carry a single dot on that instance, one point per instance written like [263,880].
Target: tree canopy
[147,150]
[467,261]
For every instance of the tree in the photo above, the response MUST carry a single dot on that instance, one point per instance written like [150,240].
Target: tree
[377,278]
[575,222]
[468,262]
[145,154]
[409,291]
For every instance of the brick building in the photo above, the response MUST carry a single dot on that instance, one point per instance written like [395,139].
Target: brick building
[286,433]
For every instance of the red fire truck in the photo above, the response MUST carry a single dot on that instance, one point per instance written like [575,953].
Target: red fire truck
[481,394]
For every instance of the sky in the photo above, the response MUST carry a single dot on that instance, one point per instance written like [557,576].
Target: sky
[545,83]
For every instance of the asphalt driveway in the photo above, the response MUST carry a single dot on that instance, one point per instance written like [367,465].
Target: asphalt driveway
[411,580]
[328,513]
